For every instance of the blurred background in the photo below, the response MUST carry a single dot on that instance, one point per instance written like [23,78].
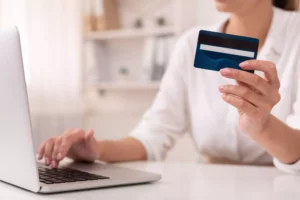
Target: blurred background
[98,63]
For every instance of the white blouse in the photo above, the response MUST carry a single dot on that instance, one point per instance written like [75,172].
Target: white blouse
[189,101]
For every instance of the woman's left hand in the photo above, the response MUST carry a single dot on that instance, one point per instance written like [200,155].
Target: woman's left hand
[253,95]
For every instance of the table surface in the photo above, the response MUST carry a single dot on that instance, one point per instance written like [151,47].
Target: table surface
[185,181]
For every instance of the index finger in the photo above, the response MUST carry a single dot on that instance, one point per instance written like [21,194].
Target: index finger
[41,151]
[267,67]
[250,79]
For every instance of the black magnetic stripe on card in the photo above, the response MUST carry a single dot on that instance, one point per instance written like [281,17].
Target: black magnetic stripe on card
[227,42]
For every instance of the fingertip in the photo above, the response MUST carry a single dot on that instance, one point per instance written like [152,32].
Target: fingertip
[225,97]
[59,156]
[225,71]
[221,88]
[40,153]
[52,164]
[244,64]
[57,164]
[47,161]
[90,134]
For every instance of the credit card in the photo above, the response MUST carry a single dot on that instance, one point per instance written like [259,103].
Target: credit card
[216,51]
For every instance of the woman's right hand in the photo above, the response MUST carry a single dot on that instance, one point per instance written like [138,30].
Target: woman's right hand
[74,144]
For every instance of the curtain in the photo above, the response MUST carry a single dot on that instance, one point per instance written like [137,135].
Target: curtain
[51,44]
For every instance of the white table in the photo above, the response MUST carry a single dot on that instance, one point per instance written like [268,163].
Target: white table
[185,181]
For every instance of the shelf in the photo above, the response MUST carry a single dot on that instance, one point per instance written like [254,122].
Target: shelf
[127,86]
[130,33]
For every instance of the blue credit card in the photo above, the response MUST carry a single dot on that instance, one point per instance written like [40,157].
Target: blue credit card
[216,51]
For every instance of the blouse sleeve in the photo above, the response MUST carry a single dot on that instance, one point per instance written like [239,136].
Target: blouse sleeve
[293,169]
[166,120]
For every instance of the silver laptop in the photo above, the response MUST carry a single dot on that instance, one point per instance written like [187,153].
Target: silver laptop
[18,163]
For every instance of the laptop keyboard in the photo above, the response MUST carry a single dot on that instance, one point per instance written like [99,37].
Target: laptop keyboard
[65,175]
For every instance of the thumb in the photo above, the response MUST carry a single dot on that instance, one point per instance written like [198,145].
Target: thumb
[89,137]
[91,144]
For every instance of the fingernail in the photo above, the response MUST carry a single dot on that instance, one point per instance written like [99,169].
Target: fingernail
[224,96]
[38,157]
[226,71]
[244,64]
[47,161]
[59,156]
[53,164]
[221,88]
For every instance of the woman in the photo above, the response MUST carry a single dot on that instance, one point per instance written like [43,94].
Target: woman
[233,116]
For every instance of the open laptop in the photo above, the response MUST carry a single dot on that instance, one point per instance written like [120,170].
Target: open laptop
[18,163]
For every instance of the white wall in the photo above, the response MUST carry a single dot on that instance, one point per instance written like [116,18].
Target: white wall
[55,64]
[51,39]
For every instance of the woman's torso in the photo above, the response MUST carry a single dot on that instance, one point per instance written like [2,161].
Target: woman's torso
[213,123]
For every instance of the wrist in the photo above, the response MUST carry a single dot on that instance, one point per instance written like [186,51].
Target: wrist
[266,128]
[104,150]
[101,149]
